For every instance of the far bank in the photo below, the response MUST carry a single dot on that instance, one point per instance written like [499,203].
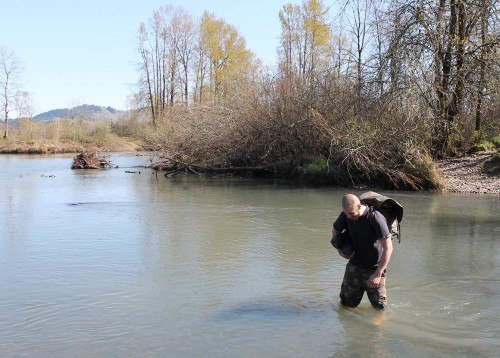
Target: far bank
[476,173]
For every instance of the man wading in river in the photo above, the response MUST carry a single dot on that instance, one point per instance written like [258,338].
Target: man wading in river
[369,253]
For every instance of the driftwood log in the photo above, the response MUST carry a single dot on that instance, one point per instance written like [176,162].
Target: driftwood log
[172,167]
[90,160]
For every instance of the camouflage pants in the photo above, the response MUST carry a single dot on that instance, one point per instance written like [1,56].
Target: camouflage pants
[354,285]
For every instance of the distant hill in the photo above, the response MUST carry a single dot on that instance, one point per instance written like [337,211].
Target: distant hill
[86,112]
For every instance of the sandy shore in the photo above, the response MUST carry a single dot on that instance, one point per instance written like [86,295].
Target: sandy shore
[463,175]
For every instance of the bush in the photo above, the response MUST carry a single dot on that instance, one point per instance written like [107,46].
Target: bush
[492,166]
[485,146]
[321,171]
[100,132]
[496,142]
[422,167]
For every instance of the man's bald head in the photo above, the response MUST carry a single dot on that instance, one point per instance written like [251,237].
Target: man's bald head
[351,206]
[350,201]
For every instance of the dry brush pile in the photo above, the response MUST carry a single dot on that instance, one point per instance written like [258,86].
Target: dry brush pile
[326,141]
[90,160]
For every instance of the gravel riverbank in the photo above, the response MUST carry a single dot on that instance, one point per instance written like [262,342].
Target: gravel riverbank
[463,175]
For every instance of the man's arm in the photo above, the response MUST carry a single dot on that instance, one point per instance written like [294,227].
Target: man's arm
[386,245]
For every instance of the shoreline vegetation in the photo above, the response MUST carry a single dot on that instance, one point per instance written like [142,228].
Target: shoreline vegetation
[60,147]
[477,173]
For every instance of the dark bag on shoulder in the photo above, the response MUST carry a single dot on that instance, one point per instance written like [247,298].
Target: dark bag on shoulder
[388,207]
[342,242]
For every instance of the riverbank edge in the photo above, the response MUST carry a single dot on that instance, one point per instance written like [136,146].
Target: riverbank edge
[457,175]
[66,147]
[477,173]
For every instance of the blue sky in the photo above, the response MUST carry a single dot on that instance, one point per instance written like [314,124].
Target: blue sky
[83,51]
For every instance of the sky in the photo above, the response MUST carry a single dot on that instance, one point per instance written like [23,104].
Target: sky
[84,51]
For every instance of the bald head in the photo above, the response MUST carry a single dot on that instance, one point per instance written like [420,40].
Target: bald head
[350,201]
[351,206]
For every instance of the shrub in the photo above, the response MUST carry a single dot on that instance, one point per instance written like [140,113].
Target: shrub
[422,166]
[496,141]
[492,166]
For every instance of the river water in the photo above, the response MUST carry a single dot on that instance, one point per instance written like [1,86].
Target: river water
[122,262]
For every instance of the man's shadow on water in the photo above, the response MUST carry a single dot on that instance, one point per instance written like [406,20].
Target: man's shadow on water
[267,309]
[360,331]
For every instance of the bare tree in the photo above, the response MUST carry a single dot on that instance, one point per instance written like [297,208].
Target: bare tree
[486,41]
[447,48]
[10,73]
[202,64]
[359,28]
[24,105]
[154,48]
[166,46]
[185,50]
[290,50]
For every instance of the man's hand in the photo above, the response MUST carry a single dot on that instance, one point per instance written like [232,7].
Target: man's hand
[345,256]
[374,280]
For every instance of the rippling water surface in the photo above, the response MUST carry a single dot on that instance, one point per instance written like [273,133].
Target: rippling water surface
[122,262]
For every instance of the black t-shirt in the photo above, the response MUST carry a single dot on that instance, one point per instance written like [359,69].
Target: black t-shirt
[364,234]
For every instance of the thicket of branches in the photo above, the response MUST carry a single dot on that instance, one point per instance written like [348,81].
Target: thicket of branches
[370,93]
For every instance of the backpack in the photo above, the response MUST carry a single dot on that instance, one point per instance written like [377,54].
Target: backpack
[389,208]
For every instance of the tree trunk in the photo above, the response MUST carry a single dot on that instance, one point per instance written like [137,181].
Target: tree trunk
[482,65]
[6,133]
[440,86]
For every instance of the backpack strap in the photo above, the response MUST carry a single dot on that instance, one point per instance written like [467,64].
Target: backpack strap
[371,218]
